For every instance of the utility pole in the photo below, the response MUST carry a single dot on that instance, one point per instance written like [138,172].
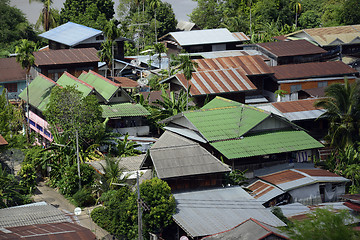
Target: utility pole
[27,108]
[139,207]
[77,157]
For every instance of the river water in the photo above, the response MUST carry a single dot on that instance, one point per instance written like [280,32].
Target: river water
[181,8]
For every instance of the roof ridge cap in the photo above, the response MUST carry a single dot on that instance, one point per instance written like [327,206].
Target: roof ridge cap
[78,80]
[104,78]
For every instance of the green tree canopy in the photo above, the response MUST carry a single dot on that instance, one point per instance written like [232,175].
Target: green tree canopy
[69,111]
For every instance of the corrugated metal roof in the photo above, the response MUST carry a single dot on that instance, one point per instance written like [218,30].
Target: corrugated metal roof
[227,53]
[266,143]
[249,230]
[225,74]
[312,70]
[263,191]
[206,212]
[185,26]
[123,110]
[70,33]
[131,163]
[3,141]
[11,70]
[125,82]
[207,36]
[176,156]
[241,36]
[53,231]
[69,80]
[225,119]
[291,48]
[105,87]
[39,92]
[321,175]
[66,56]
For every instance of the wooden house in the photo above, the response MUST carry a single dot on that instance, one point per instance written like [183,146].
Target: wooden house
[12,78]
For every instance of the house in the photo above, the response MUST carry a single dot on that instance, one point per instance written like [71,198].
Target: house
[12,78]
[343,39]
[303,183]
[124,68]
[184,164]
[55,62]
[244,136]
[211,211]
[290,52]
[229,77]
[40,221]
[301,112]
[186,26]
[294,77]
[250,229]
[203,40]
[72,35]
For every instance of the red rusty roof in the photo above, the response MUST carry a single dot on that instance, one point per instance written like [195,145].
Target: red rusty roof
[260,188]
[3,141]
[282,177]
[312,70]
[66,56]
[318,173]
[241,36]
[10,70]
[225,74]
[353,206]
[126,82]
[291,48]
[296,106]
[54,231]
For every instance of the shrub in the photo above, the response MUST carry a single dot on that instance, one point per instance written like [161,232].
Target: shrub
[84,198]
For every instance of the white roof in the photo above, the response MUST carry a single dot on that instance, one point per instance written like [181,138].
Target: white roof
[207,36]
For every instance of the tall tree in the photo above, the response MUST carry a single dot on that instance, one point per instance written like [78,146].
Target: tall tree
[112,32]
[342,105]
[155,4]
[159,49]
[47,18]
[106,54]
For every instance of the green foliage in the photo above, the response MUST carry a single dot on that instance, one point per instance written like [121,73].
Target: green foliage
[84,198]
[90,13]
[69,111]
[278,212]
[125,147]
[25,54]
[207,14]
[350,12]
[28,177]
[113,175]
[323,224]
[236,177]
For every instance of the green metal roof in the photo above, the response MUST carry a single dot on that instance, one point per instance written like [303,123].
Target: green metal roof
[68,80]
[266,143]
[39,92]
[123,110]
[105,87]
[225,119]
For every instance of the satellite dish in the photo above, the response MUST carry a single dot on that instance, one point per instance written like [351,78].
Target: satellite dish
[184,238]
[135,62]
[77,211]
[143,82]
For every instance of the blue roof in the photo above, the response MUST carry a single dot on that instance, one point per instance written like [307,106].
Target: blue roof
[70,33]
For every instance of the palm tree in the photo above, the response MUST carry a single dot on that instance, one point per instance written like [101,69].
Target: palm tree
[113,174]
[342,105]
[111,32]
[154,4]
[47,15]
[26,59]
[159,49]
[188,67]
[105,54]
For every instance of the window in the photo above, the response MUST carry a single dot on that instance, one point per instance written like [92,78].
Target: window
[322,84]
[11,87]
[295,88]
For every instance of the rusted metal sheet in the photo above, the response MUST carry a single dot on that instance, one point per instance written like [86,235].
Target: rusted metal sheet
[296,106]
[318,173]
[3,141]
[225,74]
[241,36]
[312,70]
[282,177]
[291,48]
[10,70]
[66,56]
[126,82]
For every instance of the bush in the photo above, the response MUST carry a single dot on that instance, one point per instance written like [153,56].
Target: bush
[28,177]
[101,217]
[84,198]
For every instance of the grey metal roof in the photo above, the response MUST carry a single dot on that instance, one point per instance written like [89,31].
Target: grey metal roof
[207,36]
[30,215]
[263,191]
[128,163]
[70,33]
[206,212]
[294,209]
[176,156]
[227,53]
[304,115]
[185,26]
[185,132]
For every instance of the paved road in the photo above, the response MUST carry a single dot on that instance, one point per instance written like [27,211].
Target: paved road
[54,198]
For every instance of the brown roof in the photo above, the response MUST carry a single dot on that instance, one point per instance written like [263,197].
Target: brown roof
[311,70]
[315,92]
[126,82]
[66,56]
[10,70]
[282,177]
[3,141]
[225,74]
[259,188]
[54,231]
[241,36]
[296,106]
[318,173]
[291,48]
